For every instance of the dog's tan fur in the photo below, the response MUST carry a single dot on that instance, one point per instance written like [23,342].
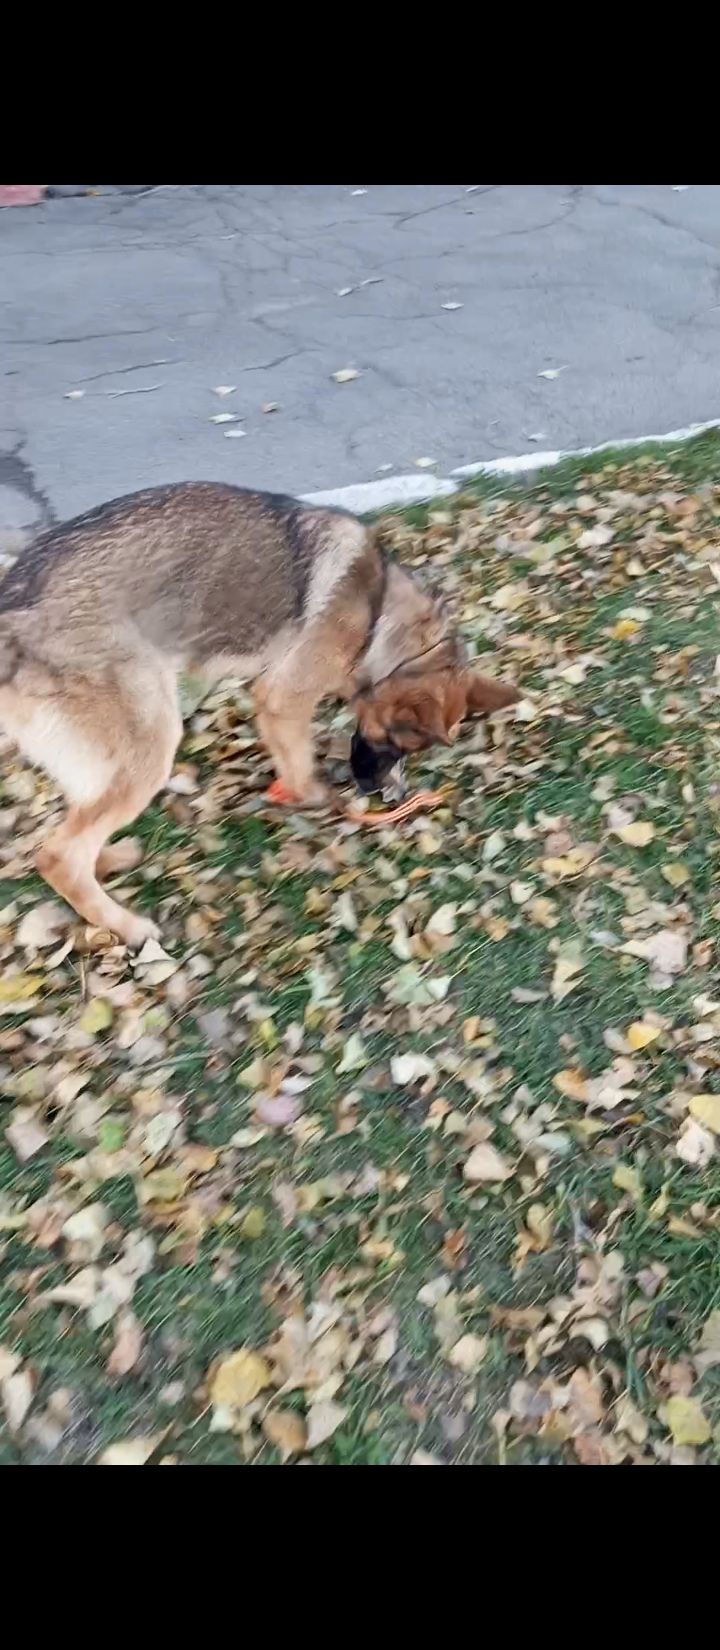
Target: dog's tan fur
[99,619]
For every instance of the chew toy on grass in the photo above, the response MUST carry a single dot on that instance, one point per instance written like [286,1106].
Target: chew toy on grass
[279,793]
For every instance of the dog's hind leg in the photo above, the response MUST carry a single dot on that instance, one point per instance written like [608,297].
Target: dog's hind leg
[110,749]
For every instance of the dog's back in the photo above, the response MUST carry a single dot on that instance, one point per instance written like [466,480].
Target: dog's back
[198,570]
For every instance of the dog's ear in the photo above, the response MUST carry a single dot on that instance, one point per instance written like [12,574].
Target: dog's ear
[484,694]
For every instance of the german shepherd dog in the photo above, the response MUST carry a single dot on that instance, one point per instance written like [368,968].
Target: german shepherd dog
[99,618]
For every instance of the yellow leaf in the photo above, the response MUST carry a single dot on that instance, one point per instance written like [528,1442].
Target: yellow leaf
[640,1033]
[624,629]
[164,1185]
[687,1420]
[571,1083]
[286,1430]
[627,1179]
[675,873]
[239,1379]
[16,988]
[571,863]
[543,912]
[636,835]
[706,1108]
[98,1016]
[252,1224]
[497,928]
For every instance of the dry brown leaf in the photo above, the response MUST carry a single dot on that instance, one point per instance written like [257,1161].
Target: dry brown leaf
[323,1419]
[25,1133]
[571,1083]
[43,926]
[286,1430]
[485,1163]
[127,1346]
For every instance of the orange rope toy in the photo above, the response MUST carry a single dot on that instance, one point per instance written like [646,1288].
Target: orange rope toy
[423,800]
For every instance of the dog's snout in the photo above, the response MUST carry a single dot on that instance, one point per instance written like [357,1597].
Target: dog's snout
[371,764]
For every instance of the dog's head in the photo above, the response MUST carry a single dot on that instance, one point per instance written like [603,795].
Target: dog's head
[410,711]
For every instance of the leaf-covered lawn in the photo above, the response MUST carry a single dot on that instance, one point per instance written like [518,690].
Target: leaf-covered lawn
[404,1147]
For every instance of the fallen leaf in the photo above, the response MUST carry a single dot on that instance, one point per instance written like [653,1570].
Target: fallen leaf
[252,1224]
[640,1034]
[354,1055]
[411,1068]
[627,1179]
[566,978]
[130,1452]
[708,1353]
[595,537]
[43,926]
[17,989]
[25,1134]
[153,965]
[278,1111]
[676,873]
[624,629]
[16,1391]
[687,1420]
[286,1430]
[666,950]
[238,1379]
[323,1419]
[467,1354]
[706,1108]
[96,1017]
[571,1083]
[637,834]
[443,921]
[695,1144]
[87,1227]
[127,1345]
[485,1163]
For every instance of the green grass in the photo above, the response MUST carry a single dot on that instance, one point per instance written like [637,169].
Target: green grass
[376,1213]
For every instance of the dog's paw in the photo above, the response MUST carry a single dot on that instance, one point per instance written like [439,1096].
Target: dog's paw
[136,930]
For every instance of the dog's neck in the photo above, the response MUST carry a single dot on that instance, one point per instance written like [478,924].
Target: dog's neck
[391,641]
[398,638]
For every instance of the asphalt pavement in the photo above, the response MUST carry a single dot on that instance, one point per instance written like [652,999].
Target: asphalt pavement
[122,314]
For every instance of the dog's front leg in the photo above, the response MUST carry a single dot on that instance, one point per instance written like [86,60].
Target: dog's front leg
[284,715]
